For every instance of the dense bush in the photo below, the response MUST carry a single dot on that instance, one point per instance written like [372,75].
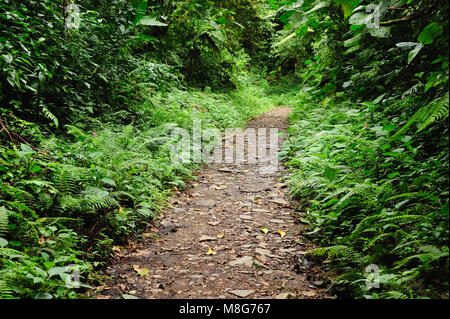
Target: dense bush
[369,140]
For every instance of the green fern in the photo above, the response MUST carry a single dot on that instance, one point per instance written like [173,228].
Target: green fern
[3,220]
[436,110]
[89,201]
[6,291]
[333,251]
[49,115]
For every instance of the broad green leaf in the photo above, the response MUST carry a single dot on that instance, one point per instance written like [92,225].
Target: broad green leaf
[378,99]
[3,242]
[150,21]
[359,18]
[330,173]
[56,271]
[414,52]
[430,32]
[319,6]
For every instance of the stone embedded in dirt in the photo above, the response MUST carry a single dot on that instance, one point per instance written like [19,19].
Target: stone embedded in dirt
[246,217]
[318,283]
[241,293]
[264,252]
[285,295]
[280,201]
[197,195]
[206,203]
[245,261]
[277,221]
[260,210]
[168,225]
[288,250]
[302,265]
[206,238]
[226,170]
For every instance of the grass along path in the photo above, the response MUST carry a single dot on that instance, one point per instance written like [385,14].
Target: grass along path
[231,234]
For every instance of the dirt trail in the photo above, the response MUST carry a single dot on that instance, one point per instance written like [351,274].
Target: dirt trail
[214,244]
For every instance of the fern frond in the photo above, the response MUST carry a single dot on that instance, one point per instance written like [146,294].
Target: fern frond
[438,110]
[377,238]
[49,115]
[364,223]
[404,219]
[427,115]
[6,291]
[3,220]
[40,183]
[332,251]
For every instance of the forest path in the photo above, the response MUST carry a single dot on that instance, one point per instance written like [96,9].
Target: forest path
[231,234]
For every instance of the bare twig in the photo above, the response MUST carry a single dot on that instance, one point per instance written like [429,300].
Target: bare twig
[5,129]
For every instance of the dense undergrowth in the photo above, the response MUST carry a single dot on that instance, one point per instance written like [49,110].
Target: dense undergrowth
[371,200]
[368,145]
[66,201]
[89,95]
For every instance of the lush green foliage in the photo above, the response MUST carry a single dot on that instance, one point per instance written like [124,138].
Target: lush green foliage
[87,101]
[87,105]
[369,140]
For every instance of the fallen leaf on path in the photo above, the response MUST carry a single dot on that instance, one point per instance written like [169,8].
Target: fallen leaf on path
[220,236]
[210,252]
[241,293]
[206,238]
[264,230]
[214,223]
[141,271]
[282,233]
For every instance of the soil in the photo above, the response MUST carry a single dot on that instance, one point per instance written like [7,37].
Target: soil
[233,233]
